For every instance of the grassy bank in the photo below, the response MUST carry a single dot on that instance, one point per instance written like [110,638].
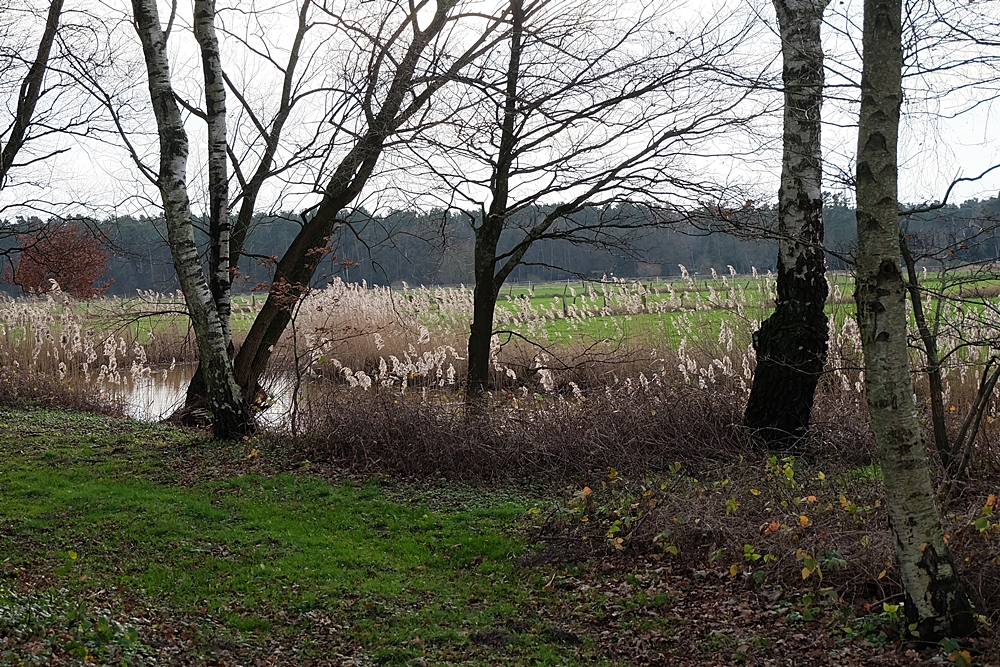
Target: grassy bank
[129,543]
[205,551]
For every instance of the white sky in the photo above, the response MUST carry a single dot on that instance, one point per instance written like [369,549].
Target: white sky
[935,149]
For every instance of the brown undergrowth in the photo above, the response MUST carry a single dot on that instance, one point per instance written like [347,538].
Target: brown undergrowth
[667,475]
[23,389]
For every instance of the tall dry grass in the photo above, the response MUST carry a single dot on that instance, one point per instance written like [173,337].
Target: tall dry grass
[587,341]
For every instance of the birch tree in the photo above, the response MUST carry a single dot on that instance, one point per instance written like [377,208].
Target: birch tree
[936,603]
[791,344]
[228,412]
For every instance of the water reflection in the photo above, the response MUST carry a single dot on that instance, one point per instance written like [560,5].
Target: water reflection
[156,396]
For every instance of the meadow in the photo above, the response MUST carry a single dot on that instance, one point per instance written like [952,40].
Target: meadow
[606,509]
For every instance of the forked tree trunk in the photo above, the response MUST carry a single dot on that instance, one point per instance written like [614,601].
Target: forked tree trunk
[228,412]
[936,603]
[295,270]
[196,393]
[791,344]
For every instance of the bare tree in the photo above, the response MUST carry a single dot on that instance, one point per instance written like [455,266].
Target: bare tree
[229,414]
[402,54]
[32,87]
[580,113]
[40,46]
[936,603]
[791,344]
[954,308]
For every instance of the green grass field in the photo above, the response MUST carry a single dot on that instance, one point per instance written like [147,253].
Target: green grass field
[112,531]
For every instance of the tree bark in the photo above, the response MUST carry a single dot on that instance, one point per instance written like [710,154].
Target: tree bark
[936,603]
[488,284]
[220,278]
[228,412]
[791,344]
[297,266]
[31,91]
[484,301]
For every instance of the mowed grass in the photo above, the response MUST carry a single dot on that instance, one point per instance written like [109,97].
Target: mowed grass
[138,516]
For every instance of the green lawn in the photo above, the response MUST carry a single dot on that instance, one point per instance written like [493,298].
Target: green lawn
[104,521]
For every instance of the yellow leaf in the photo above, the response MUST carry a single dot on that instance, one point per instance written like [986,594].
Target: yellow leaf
[806,571]
[755,492]
[733,570]
[881,575]
[804,520]
[612,474]
[843,501]
[821,476]
[72,555]
[619,544]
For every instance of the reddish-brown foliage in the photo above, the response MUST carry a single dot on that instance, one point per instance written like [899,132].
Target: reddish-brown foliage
[68,253]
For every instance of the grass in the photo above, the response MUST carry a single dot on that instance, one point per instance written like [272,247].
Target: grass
[130,543]
[96,505]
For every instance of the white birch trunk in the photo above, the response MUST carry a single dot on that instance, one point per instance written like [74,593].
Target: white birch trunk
[791,344]
[229,415]
[220,280]
[936,604]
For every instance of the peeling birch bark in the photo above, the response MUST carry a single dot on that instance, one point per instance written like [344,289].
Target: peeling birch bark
[791,344]
[228,412]
[936,603]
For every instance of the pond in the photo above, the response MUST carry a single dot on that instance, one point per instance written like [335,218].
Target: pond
[156,396]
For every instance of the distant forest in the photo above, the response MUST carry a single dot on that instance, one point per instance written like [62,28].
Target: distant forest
[436,248]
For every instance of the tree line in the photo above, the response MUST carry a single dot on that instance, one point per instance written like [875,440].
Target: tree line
[436,248]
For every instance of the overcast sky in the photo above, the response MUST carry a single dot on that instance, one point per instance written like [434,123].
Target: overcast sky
[936,144]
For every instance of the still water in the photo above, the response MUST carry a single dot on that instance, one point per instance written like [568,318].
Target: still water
[159,394]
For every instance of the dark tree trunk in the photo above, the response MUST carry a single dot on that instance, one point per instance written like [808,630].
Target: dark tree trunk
[791,344]
[484,304]
[791,350]
[478,380]
[488,281]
